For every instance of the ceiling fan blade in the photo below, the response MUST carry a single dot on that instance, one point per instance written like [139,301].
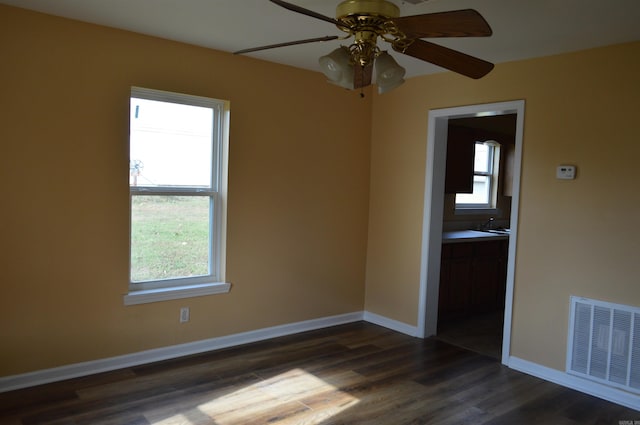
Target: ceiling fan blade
[457,23]
[289,43]
[362,75]
[447,58]
[308,12]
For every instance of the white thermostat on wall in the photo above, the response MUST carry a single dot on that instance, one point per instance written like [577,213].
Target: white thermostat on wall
[566,172]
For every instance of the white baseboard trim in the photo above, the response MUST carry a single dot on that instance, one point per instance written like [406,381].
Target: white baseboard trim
[401,327]
[595,389]
[76,370]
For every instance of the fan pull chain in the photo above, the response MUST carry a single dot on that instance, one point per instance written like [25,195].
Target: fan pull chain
[361,79]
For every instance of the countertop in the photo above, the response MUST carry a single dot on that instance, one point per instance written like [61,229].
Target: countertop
[471,236]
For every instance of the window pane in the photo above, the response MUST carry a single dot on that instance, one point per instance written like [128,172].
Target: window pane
[169,237]
[170,144]
[480,195]
[481,159]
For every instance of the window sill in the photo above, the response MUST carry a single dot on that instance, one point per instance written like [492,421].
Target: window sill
[145,296]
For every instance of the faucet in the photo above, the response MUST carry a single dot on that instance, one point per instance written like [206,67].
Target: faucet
[487,225]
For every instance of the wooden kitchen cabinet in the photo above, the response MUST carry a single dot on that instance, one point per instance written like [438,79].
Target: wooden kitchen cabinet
[472,278]
[455,280]
[460,155]
[487,277]
[507,175]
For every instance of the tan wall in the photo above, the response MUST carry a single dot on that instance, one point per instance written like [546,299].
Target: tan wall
[575,237]
[298,192]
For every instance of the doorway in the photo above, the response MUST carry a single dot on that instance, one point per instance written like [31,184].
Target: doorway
[434,205]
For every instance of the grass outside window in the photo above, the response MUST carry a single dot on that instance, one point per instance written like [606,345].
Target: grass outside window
[169,237]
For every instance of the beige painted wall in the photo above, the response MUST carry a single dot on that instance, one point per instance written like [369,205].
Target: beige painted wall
[298,192]
[299,200]
[575,237]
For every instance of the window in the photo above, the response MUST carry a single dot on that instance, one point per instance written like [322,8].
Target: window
[485,178]
[177,182]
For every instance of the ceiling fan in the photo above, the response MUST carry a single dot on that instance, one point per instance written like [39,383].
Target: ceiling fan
[367,20]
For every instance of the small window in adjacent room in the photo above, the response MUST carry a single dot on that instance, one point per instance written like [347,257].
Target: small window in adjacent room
[177,182]
[485,178]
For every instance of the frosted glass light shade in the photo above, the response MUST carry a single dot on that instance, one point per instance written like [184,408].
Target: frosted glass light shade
[336,66]
[389,74]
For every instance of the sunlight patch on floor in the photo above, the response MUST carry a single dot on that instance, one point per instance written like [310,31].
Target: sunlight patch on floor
[292,397]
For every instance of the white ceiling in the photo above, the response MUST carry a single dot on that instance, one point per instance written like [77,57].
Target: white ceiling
[521,28]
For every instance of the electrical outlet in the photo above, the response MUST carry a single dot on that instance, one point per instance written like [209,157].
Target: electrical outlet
[566,172]
[184,314]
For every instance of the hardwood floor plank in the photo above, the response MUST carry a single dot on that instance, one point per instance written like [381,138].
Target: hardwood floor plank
[542,408]
[351,374]
[413,357]
[587,410]
[32,399]
[236,394]
[325,362]
[382,403]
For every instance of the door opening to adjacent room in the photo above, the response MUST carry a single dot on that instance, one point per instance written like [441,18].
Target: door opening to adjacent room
[484,307]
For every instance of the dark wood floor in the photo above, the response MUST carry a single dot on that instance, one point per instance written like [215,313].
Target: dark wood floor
[481,333]
[352,374]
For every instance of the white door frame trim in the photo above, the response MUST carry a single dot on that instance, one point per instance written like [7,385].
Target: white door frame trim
[433,212]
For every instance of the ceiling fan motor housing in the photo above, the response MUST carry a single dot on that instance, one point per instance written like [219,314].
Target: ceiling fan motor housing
[367,7]
[365,20]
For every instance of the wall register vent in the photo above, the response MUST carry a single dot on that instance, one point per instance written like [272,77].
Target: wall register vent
[604,343]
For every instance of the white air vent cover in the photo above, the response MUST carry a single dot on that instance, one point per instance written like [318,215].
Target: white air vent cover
[604,343]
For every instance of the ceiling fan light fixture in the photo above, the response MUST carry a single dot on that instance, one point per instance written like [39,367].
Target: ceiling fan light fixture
[367,21]
[337,67]
[389,74]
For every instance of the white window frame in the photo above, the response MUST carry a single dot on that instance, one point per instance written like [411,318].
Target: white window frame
[214,282]
[493,174]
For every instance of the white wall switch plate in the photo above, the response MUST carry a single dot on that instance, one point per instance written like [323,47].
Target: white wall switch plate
[566,172]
